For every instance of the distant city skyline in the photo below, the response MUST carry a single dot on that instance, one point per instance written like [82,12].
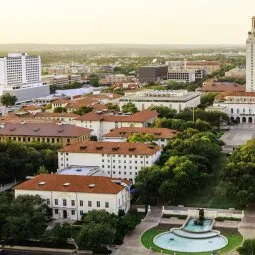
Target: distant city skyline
[129,22]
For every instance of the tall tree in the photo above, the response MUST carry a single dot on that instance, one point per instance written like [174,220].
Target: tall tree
[26,220]
[129,108]
[141,138]
[8,100]
[94,235]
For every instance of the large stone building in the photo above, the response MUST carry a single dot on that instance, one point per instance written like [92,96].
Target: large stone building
[103,123]
[174,99]
[43,132]
[117,159]
[70,196]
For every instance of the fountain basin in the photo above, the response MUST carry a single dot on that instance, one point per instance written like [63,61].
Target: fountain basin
[184,244]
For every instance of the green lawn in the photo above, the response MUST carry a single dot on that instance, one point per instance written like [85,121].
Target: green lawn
[213,194]
[234,241]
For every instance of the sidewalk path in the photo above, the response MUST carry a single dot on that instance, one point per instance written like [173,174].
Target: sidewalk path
[132,243]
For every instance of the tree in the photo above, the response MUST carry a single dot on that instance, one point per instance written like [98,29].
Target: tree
[8,100]
[99,216]
[83,110]
[112,106]
[215,118]
[248,247]
[164,111]
[141,138]
[93,80]
[129,108]
[59,234]
[26,220]
[42,170]
[239,174]
[180,176]
[181,125]
[5,202]
[147,183]
[60,109]
[94,235]
[20,160]
[207,99]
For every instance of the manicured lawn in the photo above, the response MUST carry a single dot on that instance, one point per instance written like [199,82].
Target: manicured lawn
[213,194]
[234,241]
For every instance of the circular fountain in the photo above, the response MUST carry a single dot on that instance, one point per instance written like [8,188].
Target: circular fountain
[196,235]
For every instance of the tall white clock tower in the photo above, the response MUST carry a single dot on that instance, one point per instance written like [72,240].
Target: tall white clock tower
[250,59]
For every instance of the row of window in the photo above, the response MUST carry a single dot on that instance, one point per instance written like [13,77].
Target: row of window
[124,156]
[125,161]
[238,111]
[64,203]
[72,212]
[120,167]
[130,173]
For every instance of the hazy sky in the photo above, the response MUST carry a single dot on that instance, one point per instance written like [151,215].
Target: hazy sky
[125,21]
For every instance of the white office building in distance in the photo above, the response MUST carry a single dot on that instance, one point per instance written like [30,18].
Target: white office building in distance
[20,75]
[174,99]
[185,76]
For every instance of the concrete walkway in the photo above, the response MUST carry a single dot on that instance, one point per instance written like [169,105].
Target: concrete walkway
[132,243]
[247,226]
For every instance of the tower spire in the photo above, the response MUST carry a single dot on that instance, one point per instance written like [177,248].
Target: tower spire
[253,24]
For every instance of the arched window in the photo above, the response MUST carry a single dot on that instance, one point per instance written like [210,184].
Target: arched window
[232,111]
[237,110]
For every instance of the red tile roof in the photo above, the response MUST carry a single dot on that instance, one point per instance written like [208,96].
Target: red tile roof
[43,130]
[55,182]
[142,116]
[223,88]
[111,148]
[158,133]
[56,114]
[235,94]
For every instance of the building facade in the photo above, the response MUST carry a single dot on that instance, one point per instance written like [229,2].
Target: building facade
[70,196]
[174,99]
[117,160]
[152,73]
[19,68]
[20,75]
[102,123]
[185,76]
[161,135]
[43,132]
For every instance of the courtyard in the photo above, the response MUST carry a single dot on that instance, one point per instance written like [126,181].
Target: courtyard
[237,136]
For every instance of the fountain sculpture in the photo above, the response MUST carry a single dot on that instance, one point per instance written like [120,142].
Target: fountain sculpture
[201,218]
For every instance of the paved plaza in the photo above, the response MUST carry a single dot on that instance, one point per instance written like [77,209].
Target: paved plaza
[132,243]
[238,135]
